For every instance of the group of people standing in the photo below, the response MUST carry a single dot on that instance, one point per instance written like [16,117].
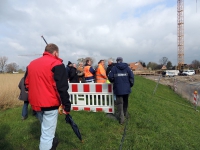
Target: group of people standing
[87,74]
[46,83]
[117,73]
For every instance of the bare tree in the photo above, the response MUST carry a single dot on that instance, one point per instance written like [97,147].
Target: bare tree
[80,60]
[196,64]
[163,61]
[11,67]
[86,58]
[3,61]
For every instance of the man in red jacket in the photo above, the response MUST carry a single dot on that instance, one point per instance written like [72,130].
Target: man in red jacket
[47,86]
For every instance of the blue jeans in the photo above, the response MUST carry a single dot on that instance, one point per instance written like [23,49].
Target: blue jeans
[25,109]
[48,120]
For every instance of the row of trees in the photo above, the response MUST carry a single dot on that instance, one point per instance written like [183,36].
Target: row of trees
[195,64]
[150,65]
[155,66]
[165,62]
[4,67]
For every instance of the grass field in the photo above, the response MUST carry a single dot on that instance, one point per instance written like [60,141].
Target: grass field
[9,90]
[161,121]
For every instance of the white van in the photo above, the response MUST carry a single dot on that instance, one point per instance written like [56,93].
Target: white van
[188,72]
[170,73]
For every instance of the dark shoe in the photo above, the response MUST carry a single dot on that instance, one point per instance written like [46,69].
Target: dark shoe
[112,116]
[121,122]
[55,143]
[126,115]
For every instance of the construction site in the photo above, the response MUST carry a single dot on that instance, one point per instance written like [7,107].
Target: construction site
[181,65]
[182,85]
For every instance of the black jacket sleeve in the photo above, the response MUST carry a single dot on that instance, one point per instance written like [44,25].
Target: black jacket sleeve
[26,73]
[111,75]
[60,77]
[72,73]
[131,77]
[20,84]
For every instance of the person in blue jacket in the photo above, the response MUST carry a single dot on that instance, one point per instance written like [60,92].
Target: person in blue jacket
[123,79]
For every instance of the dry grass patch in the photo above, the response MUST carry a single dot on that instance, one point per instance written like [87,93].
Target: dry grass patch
[9,90]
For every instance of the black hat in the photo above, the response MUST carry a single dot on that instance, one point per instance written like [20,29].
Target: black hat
[69,63]
[119,59]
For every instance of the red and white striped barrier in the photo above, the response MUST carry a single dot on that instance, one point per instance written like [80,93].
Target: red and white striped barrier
[92,97]
[195,99]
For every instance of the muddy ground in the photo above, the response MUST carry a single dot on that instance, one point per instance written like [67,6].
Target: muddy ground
[183,85]
[170,80]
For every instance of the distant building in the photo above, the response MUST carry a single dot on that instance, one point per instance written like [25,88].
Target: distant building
[136,66]
[164,67]
[15,72]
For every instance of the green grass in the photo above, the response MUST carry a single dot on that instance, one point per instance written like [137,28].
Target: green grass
[97,131]
[160,121]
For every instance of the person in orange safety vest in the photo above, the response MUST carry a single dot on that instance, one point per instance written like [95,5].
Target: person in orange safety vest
[89,72]
[101,73]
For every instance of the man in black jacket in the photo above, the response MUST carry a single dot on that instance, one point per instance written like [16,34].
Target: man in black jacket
[73,74]
[110,65]
[68,66]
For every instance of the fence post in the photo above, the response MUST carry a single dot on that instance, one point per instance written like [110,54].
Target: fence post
[175,84]
[157,85]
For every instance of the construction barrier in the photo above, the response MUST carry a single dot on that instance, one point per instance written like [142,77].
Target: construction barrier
[92,97]
[195,99]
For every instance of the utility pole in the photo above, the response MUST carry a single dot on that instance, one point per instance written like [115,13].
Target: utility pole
[180,32]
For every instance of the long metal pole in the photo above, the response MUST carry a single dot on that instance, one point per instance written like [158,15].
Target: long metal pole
[44,40]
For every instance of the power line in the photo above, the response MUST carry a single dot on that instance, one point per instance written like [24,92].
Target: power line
[30,55]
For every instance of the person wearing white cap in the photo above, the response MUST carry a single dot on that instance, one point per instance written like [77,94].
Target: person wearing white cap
[123,79]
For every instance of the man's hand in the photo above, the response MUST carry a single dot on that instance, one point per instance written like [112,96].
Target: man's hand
[62,110]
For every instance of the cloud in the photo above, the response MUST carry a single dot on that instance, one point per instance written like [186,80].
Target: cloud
[133,29]
[17,46]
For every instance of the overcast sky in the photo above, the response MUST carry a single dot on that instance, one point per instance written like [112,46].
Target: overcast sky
[133,29]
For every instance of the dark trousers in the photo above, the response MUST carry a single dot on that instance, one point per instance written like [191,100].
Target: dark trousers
[122,105]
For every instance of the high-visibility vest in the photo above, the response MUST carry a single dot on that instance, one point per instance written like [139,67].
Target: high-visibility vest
[87,71]
[101,74]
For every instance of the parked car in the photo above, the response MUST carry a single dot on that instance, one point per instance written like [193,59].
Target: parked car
[170,73]
[188,72]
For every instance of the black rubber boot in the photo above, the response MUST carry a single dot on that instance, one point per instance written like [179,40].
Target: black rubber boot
[54,144]
[121,113]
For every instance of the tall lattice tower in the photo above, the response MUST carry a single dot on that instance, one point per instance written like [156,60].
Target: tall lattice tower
[180,31]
